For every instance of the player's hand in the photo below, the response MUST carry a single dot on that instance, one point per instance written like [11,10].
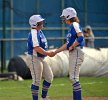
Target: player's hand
[56,51]
[51,53]
[71,48]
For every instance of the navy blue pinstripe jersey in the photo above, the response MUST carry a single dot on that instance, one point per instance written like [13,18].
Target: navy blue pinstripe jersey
[36,38]
[72,34]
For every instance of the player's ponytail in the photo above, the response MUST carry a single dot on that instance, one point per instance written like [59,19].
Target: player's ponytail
[74,19]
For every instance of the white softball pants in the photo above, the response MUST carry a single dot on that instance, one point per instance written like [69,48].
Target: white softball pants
[39,68]
[76,58]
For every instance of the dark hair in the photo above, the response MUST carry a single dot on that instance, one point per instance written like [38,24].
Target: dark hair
[74,19]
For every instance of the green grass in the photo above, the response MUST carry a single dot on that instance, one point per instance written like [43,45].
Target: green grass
[61,87]
[93,86]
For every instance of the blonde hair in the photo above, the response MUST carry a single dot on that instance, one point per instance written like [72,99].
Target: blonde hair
[74,19]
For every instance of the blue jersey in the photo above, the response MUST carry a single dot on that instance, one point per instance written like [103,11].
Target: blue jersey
[36,38]
[72,35]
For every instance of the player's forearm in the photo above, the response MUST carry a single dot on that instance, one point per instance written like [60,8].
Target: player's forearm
[75,44]
[61,48]
[40,50]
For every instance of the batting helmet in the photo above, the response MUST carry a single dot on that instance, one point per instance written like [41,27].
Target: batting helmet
[34,19]
[69,13]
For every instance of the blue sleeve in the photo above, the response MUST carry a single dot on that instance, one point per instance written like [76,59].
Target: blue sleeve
[80,39]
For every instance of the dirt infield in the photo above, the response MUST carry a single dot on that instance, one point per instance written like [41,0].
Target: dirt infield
[84,98]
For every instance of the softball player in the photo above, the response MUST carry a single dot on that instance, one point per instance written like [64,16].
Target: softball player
[75,43]
[37,51]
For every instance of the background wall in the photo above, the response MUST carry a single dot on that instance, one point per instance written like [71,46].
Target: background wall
[14,16]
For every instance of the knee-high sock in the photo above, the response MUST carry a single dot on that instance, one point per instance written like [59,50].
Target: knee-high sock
[77,91]
[34,90]
[45,88]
